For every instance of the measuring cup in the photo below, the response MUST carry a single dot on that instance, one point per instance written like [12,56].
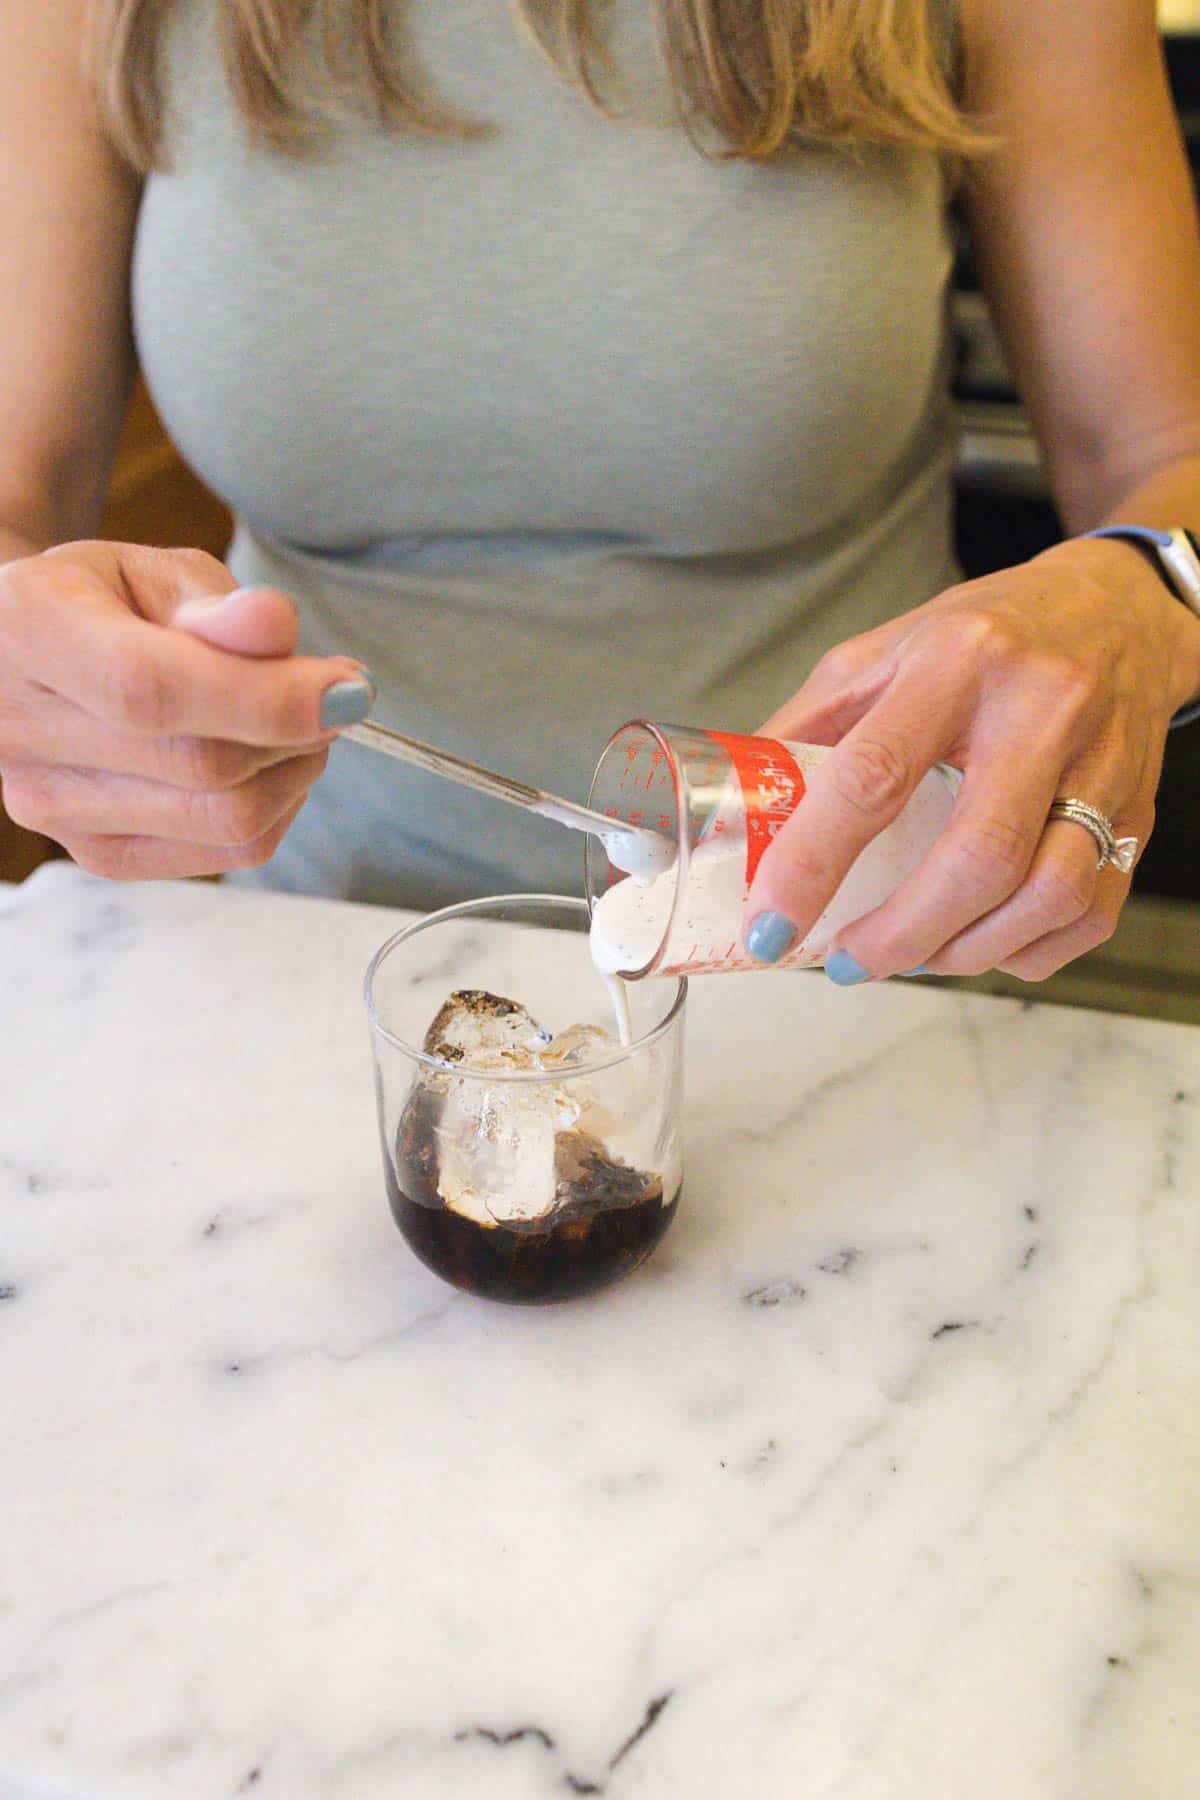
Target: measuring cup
[720,798]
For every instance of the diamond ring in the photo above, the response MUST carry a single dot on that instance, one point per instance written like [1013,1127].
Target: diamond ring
[1120,852]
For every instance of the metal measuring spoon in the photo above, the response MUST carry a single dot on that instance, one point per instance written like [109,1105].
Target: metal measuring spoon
[641,852]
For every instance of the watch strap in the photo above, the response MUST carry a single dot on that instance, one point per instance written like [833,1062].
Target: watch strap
[1175,553]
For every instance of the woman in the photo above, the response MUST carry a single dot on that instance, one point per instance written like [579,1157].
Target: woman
[563,387]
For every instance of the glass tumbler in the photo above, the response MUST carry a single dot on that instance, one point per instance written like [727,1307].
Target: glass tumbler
[721,798]
[528,1156]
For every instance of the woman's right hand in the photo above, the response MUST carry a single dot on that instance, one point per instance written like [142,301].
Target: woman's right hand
[154,719]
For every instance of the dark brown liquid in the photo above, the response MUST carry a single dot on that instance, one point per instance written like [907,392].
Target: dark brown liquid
[531,1268]
[608,1227]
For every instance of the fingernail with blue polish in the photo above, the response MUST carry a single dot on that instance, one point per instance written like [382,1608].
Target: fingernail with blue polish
[921,969]
[770,936]
[346,703]
[845,969]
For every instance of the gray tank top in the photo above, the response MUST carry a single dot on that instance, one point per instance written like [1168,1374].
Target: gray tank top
[552,429]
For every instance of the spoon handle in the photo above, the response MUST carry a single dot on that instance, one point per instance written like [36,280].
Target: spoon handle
[469,774]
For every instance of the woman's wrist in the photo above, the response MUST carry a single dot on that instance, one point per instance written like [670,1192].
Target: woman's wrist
[1143,592]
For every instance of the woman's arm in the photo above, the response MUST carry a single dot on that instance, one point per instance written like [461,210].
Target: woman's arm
[1084,229]
[1058,677]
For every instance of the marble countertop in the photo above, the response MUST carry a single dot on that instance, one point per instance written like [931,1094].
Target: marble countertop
[880,1482]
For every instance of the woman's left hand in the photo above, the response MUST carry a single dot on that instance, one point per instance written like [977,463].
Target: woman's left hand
[1051,680]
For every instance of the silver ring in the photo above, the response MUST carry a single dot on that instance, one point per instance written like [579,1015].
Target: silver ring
[1120,852]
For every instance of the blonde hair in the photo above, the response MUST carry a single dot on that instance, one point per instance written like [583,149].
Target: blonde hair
[749,77]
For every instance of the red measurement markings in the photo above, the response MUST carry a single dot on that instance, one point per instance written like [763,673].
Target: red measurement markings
[614,874]
[646,766]
[772,788]
[729,965]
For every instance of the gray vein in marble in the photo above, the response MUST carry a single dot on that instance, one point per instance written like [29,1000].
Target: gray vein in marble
[1174,1139]
[257,1361]
[447,969]
[112,927]
[967,1023]
[81,1615]
[636,1481]
[786,1291]
[1006,1473]
[817,1096]
[1114,1670]
[690,1590]
[34,1180]
[408,1752]
[228,1221]
[903,1395]
[504,1739]
[871,1730]
[27,1681]
[840,1262]
[654,1712]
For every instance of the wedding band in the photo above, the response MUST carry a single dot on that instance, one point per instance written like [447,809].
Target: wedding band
[1120,852]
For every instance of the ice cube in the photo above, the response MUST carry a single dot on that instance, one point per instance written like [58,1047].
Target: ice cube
[491,1144]
[618,1104]
[416,1140]
[521,1153]
[479,1029]
[589,1180]
[496,1147]
[577,1047]
[472,1029]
